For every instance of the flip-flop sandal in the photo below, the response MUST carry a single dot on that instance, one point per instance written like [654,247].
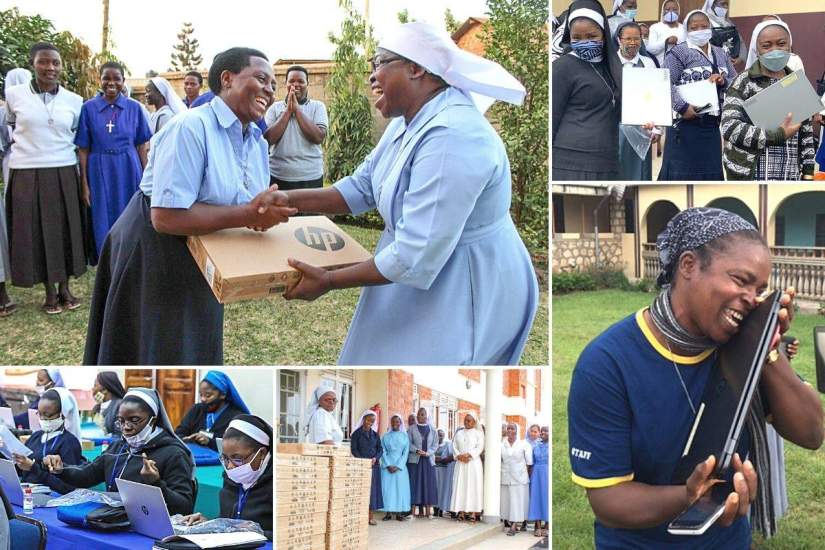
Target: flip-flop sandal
[51,309]
[70,304]
[373,522]
[8,309]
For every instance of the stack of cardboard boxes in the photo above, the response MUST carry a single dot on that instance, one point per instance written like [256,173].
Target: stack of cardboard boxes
[323,498]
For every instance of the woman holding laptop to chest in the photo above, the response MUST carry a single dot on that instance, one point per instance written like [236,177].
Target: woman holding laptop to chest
[149,453]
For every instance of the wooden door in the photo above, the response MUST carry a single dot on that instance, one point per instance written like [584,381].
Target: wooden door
[175,386]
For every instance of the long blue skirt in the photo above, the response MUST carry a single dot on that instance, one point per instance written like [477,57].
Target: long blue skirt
[423,490]
[539,489]
[693,151]
[376,498]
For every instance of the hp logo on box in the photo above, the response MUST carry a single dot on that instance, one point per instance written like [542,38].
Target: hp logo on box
[319,239]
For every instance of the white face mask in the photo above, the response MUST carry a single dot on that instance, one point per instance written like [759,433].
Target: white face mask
[142,437]
[49,426]
[720,12]
[700,38]
[244,475]
[40,390]
[100,397]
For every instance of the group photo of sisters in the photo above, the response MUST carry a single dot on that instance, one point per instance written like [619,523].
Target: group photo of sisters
[105,196]
[441,476]
[720,91]
[81,447]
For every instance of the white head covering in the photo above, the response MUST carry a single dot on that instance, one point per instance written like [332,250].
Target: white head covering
[518,432]
[364,414]
[68,408]
[662,11]
[753,54]
[690,14]
[17,76]
[471,413]
[314,404]
[172,100]
[251,430]
[594,16]
[400,428]
[484,81]
[715,20]
[55,376]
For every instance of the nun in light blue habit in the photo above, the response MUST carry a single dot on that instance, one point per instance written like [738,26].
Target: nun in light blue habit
[395,483]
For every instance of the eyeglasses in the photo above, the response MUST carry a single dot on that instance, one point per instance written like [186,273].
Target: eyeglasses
[226,461]
[131,422]
[377,62]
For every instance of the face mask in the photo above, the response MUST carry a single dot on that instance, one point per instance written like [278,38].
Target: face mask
[775,60]
[49,426]
[40,390]
[100,397]
[588,50]
[244,475]
[139,439]
[630,14]
[627,53]
[700,38]
[720,12]
[671,17]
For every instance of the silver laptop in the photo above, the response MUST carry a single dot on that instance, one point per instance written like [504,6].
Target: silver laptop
[793,94]
[146,509]
[14,489]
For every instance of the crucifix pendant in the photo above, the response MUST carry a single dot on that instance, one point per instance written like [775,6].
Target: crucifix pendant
[110,125]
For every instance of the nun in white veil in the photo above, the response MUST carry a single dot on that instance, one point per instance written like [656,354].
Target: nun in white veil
[468,477]
[322,427]
[160,94]
[59,434]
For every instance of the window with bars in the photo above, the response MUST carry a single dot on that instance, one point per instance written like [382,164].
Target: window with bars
[289,406]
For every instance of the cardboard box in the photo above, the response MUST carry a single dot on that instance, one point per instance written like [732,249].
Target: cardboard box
[311,449]
[240,264]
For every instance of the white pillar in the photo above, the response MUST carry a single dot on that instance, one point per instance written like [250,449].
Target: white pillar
[492,445]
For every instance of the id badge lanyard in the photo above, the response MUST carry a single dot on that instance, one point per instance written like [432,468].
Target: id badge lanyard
[242,496]
[115,474]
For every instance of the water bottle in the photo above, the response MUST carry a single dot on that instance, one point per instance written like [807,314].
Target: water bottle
[28,501]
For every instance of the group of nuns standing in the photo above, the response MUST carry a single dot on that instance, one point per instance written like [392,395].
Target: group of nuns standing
[591,51]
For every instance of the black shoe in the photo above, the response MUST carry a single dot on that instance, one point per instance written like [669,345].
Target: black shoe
[399,517]
[387,517]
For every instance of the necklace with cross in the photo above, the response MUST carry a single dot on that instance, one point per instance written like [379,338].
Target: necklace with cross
[110,125]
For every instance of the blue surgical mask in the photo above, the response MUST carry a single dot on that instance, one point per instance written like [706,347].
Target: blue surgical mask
[671,17]
[630,14]
[775,60]
[588,50]
[700,38]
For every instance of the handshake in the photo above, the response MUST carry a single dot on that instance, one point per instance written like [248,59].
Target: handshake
[269,208]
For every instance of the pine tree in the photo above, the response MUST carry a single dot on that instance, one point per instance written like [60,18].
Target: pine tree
[185,56]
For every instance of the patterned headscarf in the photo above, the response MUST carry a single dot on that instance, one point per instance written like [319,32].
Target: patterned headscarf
[691,229]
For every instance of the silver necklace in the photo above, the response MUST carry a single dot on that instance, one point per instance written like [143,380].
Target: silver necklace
[609,89]
[682,380]
[49,112]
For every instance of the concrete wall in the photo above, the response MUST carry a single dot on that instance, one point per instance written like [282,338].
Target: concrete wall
[800,213]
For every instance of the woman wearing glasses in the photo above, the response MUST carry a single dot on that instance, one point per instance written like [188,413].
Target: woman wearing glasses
[247,482]
[149,453]
[450,269]
[59,434]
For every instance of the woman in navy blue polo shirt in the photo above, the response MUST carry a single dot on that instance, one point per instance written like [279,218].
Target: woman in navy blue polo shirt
[636,388]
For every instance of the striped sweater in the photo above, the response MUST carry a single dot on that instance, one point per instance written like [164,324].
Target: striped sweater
[746,145]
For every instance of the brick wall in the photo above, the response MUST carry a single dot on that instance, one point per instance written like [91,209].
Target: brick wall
[399,393]
[424,393]
[471,374]
[514,379]
[538,389]
[521,421]
[467,406]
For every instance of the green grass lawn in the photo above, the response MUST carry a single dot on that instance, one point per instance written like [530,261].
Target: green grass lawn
[577,319]
[262,332]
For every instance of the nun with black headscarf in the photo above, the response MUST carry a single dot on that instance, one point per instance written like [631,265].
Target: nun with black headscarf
[637,388]
[149,453]
[586,98]
[207,420]
[107,392]
[247,479]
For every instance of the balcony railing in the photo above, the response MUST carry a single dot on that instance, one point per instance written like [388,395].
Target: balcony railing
[800,267]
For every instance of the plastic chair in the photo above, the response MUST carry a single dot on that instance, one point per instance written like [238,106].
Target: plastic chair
[27,533]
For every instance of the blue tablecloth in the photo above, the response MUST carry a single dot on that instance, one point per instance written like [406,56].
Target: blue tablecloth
[60,536]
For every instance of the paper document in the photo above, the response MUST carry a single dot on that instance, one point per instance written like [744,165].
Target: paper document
[10,444]
[699,94]
[34,420]
[646,97]
[216,540]
[6,417]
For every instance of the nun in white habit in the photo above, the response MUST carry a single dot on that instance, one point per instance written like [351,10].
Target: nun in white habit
[160,94]
[322,427]
[516,456]
[468,476]
[450,268]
